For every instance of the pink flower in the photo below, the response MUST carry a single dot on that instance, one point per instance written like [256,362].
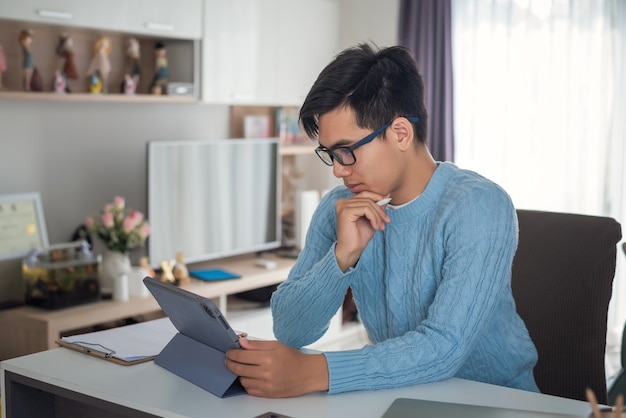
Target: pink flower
[129,224]
[144,231]
[136,216]
[107,219]
[119,202]
[121,228]
[133,219]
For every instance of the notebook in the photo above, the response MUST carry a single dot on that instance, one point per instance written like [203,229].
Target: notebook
[213,274]
[406,408]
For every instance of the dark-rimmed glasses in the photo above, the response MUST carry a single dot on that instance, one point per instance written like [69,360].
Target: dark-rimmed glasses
[345,155]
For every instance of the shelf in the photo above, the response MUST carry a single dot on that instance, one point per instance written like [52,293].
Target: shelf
[182,57]
[304,149]
[89,97]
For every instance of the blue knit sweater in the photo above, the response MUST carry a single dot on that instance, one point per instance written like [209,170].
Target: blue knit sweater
[433,291]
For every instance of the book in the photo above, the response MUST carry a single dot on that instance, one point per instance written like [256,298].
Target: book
[213,274]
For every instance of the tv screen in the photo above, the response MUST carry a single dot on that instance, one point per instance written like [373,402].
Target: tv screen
[213,198]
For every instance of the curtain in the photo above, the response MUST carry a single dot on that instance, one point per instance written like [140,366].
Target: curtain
[425,28]
[540,107]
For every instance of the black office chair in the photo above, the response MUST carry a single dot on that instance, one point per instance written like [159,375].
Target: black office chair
[618,384]
[562,282]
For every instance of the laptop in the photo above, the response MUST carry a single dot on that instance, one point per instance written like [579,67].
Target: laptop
[198,351]
[407,408]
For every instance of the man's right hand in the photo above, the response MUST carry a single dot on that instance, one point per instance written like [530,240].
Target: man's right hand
[358,217]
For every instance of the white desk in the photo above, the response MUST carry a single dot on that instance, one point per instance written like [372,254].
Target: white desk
[149,390]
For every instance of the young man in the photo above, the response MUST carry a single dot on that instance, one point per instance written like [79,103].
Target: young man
[430,271]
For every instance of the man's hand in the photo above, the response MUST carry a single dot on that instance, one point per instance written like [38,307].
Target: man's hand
[272,369]
[358,218]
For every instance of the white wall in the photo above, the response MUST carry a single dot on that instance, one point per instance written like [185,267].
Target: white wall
[369,20]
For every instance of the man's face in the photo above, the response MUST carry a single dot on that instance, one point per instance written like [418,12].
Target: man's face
[376,168]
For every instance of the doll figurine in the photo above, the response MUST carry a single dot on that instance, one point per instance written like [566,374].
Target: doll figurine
[128,85]
[100,65]
[65,50]
[161,72]
[3,66]
[167,275]
[59,83]
[31,80]
[145,264]
[95,83]
[132,52]
[180,271]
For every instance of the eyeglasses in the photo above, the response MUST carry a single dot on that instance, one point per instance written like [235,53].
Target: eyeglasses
[345,155]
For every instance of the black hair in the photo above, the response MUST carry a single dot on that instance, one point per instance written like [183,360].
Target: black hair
[378,84]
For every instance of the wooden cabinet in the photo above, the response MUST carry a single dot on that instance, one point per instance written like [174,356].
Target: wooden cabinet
[162,18]
[266,52]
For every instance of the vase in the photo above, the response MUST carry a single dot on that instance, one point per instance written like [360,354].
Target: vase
[115,265]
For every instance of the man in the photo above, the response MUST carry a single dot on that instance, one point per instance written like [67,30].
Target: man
[430,271]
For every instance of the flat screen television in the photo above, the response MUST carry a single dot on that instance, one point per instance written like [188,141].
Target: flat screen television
[214,198]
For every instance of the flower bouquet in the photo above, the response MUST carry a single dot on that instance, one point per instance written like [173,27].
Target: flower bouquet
[122,229]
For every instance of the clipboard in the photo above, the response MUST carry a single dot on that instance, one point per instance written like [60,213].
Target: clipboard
[96,350]
[127,345]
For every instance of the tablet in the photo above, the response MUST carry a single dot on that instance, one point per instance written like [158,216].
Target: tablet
[193,315]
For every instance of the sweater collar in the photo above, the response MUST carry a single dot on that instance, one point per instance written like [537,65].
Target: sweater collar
[429,197]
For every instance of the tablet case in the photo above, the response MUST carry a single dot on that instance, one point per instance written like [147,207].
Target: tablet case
[198,351]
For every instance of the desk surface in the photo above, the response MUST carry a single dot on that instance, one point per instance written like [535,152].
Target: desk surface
[152,389]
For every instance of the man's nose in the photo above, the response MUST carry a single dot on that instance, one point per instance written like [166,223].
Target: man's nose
[339,170]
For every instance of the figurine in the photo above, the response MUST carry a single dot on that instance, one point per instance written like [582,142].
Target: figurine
[59,83]
[95,83]
[166,271]
[143,263]
[132,52]
[31,78]
[100,65]
[65,51]
[180,271]
[3,66]
[161,72]
[128,85]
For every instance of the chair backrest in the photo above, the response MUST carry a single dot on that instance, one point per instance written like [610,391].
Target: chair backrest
[562,282]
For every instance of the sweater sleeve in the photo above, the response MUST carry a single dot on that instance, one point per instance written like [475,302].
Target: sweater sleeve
[303,305]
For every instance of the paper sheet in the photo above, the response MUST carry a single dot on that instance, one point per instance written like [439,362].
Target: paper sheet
[130,342]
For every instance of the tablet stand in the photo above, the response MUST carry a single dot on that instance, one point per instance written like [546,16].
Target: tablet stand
[200,364]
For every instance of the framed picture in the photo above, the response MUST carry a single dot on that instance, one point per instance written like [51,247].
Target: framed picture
[22,225]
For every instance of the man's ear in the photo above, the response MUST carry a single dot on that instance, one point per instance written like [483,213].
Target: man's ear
[403,133]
